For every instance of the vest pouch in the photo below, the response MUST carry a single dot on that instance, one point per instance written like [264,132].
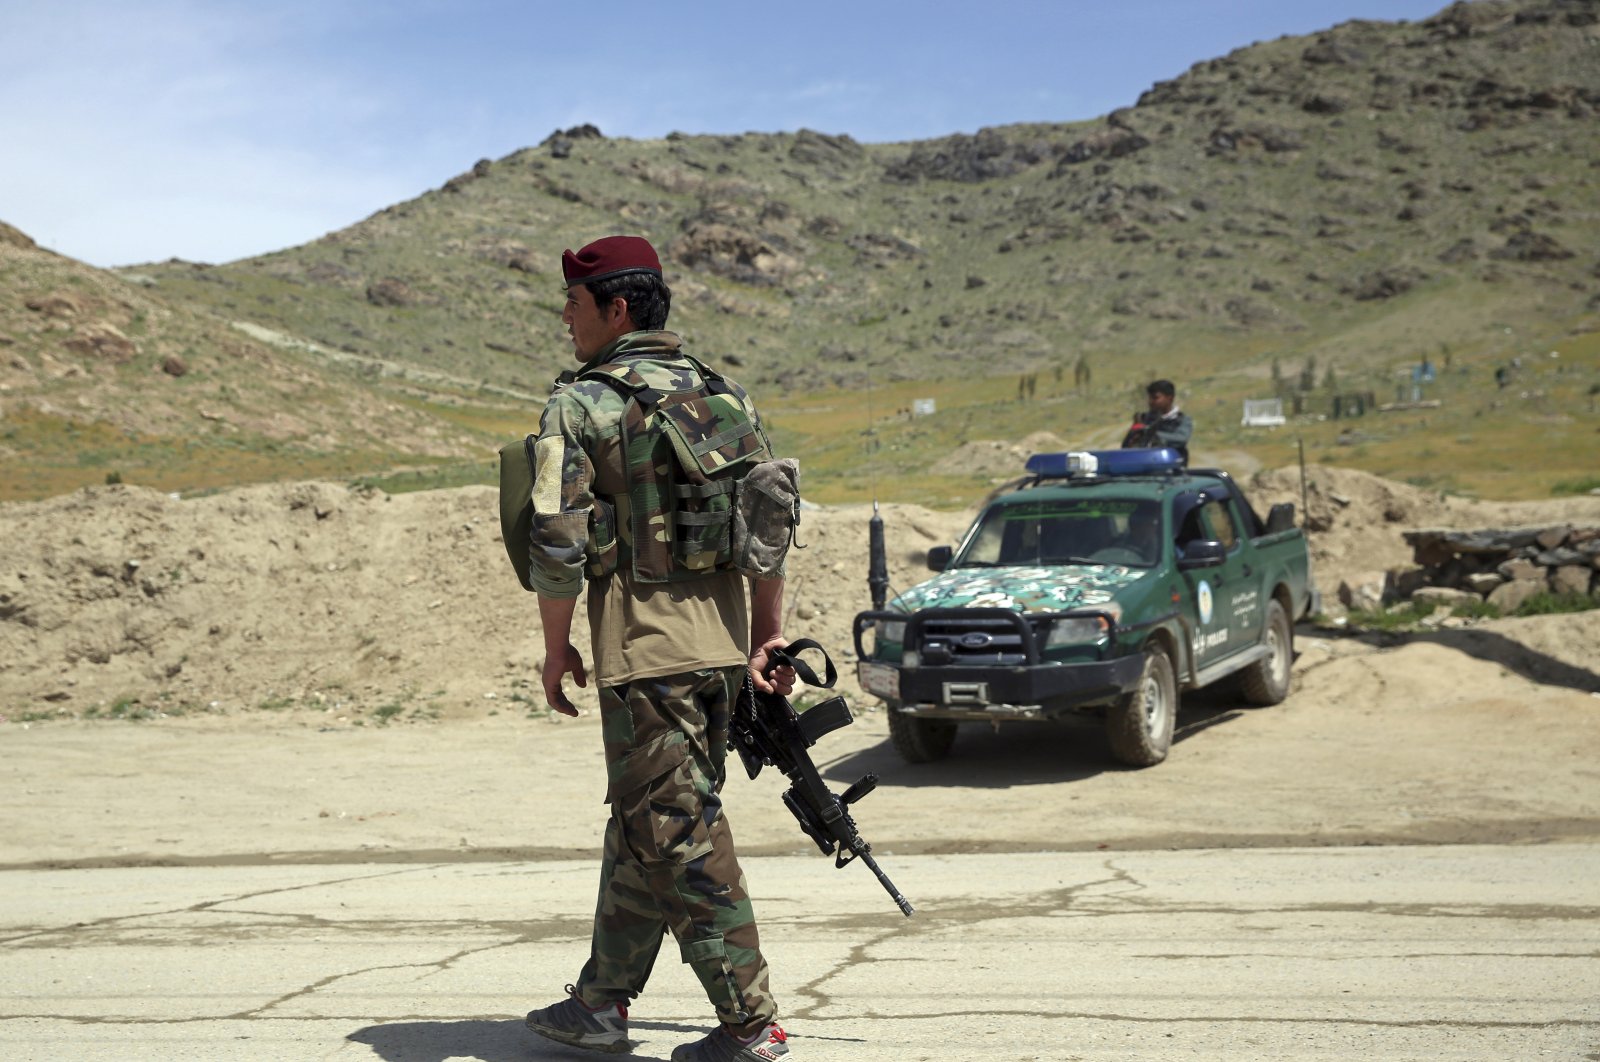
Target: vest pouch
[516,506]
[702,525]
[714,441]
[766,515]
[601,548]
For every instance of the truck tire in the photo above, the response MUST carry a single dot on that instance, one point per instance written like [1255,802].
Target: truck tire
[1139,724]
[1267,680]
[920,740]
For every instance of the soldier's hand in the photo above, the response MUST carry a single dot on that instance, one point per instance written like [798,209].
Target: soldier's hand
[781,681]
[555,667]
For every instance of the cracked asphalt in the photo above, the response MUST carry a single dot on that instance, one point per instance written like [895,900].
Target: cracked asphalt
[1436,952]
[1399,862]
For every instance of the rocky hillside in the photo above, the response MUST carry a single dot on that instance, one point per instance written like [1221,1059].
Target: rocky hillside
[1345,201]
[102,376]
[1289,192]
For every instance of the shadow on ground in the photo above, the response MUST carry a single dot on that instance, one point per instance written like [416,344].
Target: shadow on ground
[1020,753]
[487,1041]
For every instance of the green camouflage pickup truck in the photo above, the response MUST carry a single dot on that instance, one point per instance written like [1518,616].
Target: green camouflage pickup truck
[1106,582]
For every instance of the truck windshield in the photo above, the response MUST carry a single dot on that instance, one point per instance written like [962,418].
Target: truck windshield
[1111,531]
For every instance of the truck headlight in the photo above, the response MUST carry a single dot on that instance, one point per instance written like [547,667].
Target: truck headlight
[1076,630]
[892,631]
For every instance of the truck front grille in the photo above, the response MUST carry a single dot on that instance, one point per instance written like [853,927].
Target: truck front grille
[969,640]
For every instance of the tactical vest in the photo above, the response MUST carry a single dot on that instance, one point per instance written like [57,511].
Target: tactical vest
[687,452]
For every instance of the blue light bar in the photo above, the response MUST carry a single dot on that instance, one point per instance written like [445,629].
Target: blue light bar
[1091,463]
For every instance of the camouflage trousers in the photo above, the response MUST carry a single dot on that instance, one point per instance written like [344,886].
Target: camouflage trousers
[669,861]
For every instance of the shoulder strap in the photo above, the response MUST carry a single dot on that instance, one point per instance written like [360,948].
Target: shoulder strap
[789,655]
[626,380]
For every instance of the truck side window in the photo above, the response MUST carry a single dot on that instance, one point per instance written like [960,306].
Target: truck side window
[1220,521]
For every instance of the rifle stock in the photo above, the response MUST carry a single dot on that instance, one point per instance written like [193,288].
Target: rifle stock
[766,731]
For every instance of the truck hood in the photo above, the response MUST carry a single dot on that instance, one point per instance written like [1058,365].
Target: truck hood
[1023,589]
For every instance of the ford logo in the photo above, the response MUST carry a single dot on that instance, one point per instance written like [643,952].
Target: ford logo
[974,640]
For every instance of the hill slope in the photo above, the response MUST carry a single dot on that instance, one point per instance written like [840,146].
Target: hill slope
[102,377]
[1304,186]
[1310,216]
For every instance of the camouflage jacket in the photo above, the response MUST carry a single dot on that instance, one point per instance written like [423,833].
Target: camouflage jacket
[582,515]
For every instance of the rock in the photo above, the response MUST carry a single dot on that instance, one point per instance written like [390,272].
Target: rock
[1329,51]
[1320,104]
[101,340]
[1444,595]
[56,304]
[1483,583]
[733,253]
[811,148]
[1383,284]
[1363,592]
[1508,597]
[1551,537]
[1556,558]
[1109,143]
[391,291]
[1531,247]
[1519,568]
[1270,138]
[985,156]
[1403,582]
[1571,579]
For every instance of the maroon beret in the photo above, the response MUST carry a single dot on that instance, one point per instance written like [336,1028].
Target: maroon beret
[610,256]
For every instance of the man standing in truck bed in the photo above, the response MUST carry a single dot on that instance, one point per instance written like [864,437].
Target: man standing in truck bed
[1164,424]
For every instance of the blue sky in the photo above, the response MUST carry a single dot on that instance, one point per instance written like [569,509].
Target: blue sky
[211,130]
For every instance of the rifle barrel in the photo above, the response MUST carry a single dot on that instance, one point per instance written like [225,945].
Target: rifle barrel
[894,893]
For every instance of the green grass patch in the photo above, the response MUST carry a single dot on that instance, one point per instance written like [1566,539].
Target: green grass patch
[1582,485]
[1410,614]
[443,477]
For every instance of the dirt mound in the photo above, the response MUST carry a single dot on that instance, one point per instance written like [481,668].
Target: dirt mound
[124,600]
[1354,519]
[993,457]
[355,604]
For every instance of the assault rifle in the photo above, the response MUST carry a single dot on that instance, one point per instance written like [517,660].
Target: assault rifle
[766,731]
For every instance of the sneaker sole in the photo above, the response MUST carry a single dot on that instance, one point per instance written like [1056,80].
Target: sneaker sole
[610,1047]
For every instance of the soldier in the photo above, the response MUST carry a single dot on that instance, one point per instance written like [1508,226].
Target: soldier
[672,643]
[1164,424]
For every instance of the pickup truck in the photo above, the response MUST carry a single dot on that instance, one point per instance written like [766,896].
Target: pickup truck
[1103,582]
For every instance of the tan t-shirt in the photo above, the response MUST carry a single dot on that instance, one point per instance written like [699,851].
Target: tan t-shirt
[644,630]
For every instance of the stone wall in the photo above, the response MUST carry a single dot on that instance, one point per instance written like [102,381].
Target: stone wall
[1504,567]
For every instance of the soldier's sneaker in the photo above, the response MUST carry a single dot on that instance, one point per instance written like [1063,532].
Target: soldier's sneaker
[719,1045]
[572,1022]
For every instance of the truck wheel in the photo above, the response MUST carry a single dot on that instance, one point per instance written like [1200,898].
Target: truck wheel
[920,740]
[1267,680]
[1139,724]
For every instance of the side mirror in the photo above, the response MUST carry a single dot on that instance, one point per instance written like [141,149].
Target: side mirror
[1204,553]
[939,558]
[1280,518]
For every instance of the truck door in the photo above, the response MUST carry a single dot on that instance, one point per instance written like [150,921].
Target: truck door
[1242,599]
[1212,589]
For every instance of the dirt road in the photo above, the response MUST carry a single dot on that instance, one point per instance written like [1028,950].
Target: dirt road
[277,785]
